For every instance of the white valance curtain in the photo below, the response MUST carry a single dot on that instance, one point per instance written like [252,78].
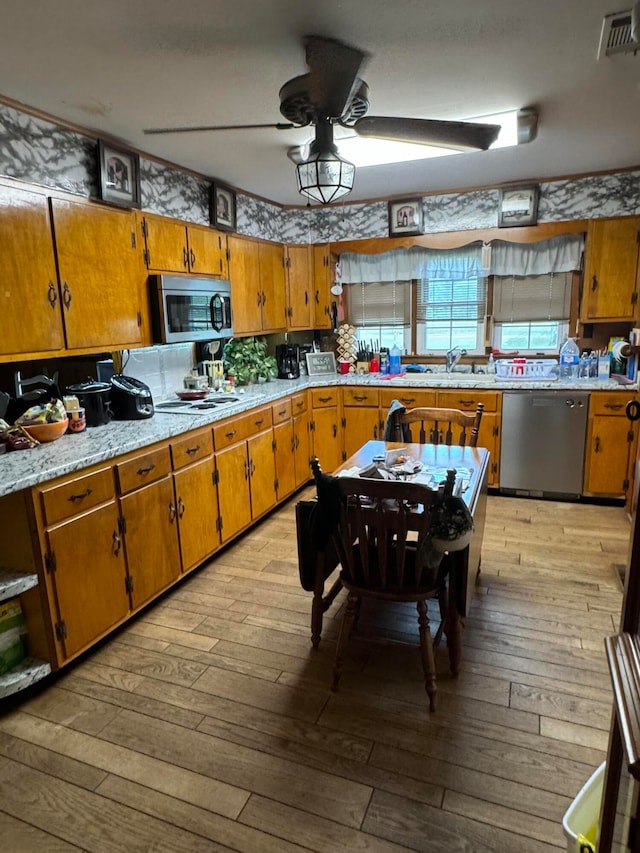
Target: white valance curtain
[559,254]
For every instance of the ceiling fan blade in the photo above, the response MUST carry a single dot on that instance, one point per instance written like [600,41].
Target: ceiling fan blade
[459,135]
[277,126]
[333,74]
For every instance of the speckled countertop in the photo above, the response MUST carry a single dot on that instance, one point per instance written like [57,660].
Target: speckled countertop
[72,452]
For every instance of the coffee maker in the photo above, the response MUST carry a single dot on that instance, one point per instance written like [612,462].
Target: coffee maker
[287,358]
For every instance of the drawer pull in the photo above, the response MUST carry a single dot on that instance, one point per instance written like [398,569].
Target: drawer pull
[360,397]
[300,404]
[191,450]
[614,406]
[230,434]
[142,471]
[407,400]
[324,399]
[81,496]
[259,422]
[466,402]
[282,413]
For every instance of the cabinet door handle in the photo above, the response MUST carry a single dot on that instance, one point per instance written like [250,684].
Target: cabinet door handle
[264,298]
[52,294]
[230,434]
[81,496]
[181,507]
[142,471]
[317,297]
[597,447]
[259,298]
[117,543]
[185,258]
[191,450]
[66,295]
[594,283]
[335,430]
[306,297]
[375,431]
[246,470]
[252,467]
[192,258]
[172,512]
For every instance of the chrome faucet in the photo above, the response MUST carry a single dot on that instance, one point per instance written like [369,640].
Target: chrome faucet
[452,357]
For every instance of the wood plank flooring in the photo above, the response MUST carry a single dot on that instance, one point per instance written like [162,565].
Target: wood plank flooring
[207,723]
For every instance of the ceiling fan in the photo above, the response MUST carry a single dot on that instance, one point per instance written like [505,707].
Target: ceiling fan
[332,93]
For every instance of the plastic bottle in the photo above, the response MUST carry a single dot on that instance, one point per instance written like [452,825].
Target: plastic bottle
[569,360]
[395,365]
[491,364]
[384,361]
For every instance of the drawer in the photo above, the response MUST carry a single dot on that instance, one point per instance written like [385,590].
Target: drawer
[467,401]
[77,495]
[281,411]
[409,397]
[299,404]
[143,469]
[361,397]
[240,428]
[324,397]
[190,449]
[609,402]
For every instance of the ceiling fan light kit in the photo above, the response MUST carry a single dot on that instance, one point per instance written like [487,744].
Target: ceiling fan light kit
[325,176]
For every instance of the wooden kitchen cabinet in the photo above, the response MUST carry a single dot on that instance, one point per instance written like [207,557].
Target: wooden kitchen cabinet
[172,246]
[360,418]
[149,524]
[256,271]
[300,306]
[101,275]
[84,559]
[246,470]
[611,445]
[301,438]
[284,445]
[196,497]
[29,277]
[322,297]
[326,428]
[610,285]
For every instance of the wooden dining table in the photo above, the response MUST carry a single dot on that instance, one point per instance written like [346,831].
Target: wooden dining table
[463,565]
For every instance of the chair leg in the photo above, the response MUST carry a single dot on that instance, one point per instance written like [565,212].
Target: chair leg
[428,660]
[343,639]
[442,606]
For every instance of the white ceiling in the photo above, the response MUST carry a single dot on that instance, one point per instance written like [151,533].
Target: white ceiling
[117,67]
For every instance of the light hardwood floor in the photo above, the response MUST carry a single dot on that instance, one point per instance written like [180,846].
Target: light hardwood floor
[207,724]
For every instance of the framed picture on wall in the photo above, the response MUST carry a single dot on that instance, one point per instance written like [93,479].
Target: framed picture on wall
[405,217]
[518,206]
[223,208]
[119,175]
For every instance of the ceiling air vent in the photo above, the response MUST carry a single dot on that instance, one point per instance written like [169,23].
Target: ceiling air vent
[616,35]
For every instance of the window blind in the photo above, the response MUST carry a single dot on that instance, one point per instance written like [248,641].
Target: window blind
[379,303]
[531,298]
[450,299]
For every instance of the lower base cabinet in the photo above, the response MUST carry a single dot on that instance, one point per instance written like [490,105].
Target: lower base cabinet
[611,445]
[234,496]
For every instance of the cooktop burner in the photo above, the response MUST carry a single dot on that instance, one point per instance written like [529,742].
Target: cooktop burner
[192,407]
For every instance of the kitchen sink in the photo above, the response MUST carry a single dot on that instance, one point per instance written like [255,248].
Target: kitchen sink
[449,378]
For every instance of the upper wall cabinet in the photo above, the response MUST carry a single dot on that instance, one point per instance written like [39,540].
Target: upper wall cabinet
[299,287]
[256,271]
[322,286]
[172,246]
[29,297]
[101,275]
[610,290]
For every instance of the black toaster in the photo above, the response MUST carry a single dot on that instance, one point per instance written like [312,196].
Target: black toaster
[131,399]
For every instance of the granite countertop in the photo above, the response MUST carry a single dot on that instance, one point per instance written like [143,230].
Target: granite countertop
[73,452]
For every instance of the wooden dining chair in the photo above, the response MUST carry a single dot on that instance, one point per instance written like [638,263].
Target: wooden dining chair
[379,561]
[439,426]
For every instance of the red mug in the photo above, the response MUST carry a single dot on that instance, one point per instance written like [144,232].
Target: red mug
[344,366]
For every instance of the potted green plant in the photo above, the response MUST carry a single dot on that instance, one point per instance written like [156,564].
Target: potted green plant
[247,361]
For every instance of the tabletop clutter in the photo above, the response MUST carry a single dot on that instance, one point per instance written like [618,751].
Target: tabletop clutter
[398,464]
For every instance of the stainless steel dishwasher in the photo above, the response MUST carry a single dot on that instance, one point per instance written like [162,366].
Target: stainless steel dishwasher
[543,441]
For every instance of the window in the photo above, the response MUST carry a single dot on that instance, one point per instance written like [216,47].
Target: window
[531,313]
[451,313]
[380,311]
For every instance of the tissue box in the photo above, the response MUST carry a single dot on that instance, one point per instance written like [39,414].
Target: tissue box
[12,630]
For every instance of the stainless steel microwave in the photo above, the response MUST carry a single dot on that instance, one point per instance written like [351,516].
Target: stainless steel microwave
[190,309]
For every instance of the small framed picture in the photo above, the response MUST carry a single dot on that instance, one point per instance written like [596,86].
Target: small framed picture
[119,175]
[320,362]
[405,217]
[223,208]
[518,206]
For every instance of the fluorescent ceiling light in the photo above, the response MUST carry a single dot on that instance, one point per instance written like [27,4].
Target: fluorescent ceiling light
[364,152]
